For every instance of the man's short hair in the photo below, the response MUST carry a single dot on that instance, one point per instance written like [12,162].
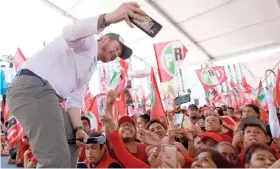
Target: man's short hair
[154,121]
[87,119]
[231,108]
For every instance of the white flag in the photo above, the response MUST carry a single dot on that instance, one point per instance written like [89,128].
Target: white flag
[272,118]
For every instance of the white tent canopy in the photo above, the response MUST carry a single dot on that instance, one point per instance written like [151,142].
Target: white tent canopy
[220,31]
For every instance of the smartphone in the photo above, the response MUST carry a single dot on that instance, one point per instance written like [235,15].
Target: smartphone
[179,118]
[168,154]
[150,26]
[183,99]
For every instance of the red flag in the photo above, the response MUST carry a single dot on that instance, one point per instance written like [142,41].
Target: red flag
[169,55]
[15,131]
[240,94]
[97,107]
[19,59]
[87,101]
[247,87]
[6,112]
[44,43]
[212,76]
[104,82]
[261,101]
[157,111]
[120,105]
[277,89]
[234,103]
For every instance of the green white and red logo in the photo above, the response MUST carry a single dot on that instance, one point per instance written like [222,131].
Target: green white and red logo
[169,57]
[211,77]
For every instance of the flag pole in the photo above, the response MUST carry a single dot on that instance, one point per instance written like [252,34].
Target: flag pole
[266,75]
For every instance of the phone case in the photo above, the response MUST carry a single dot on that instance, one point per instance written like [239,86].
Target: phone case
[179,118]
[150,27]
[168,154]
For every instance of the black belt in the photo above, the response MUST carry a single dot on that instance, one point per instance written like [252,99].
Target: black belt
[30,73]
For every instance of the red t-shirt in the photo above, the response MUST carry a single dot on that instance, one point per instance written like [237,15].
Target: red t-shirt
[23,147]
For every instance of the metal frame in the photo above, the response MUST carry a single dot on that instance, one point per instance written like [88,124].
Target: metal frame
[153,4]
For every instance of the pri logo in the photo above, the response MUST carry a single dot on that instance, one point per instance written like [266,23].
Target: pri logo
[261,95]
[173,54]
[212,76]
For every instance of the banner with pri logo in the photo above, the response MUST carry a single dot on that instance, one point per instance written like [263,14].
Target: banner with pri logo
[169,57]
[212,76]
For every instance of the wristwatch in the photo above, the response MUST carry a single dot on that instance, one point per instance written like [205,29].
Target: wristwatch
[77,128]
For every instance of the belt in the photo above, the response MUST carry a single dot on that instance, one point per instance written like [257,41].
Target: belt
[30,73]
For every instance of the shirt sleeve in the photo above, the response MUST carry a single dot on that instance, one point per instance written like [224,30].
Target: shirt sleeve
[75,99]
[125,157]
[78,34]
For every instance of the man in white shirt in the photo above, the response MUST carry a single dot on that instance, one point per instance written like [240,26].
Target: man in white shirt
[62,69]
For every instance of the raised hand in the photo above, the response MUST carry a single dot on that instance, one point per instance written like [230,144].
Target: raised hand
[109,122]
[150,138]
[123,12]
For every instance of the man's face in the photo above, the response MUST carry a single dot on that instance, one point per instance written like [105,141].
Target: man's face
[86,126]
[212,124]
[193,112]
[254,134]
[94,153]
[249,112]
[158,129]
[127,130]
[208,112]
[229,112]
[206,143]
[110,49]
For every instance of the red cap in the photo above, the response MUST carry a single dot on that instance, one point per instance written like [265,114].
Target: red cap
[126,119]
[213,136]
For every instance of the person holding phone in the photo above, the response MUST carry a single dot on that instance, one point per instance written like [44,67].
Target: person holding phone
[62,69]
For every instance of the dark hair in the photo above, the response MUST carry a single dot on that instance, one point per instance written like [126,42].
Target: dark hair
[220,111]
[87,119]
[248,153]
[145,117]
[231,108]
[253,106]
[154,121]
[227,144]
[218,159]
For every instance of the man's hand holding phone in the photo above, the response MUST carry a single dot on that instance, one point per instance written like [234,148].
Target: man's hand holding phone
[123,12]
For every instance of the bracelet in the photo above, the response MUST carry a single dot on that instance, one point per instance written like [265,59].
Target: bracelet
[102,21]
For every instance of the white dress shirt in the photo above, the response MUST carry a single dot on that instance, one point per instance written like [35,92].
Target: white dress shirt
[68,62]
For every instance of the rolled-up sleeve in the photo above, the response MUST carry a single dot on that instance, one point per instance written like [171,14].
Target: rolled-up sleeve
[76,33]
[75,99]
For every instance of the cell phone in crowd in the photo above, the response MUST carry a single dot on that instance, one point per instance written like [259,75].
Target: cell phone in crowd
[168,154]
[150,26]
[179,118]
[183,99]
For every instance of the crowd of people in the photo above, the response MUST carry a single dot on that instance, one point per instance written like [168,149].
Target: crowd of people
[192,137]
[220,137]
